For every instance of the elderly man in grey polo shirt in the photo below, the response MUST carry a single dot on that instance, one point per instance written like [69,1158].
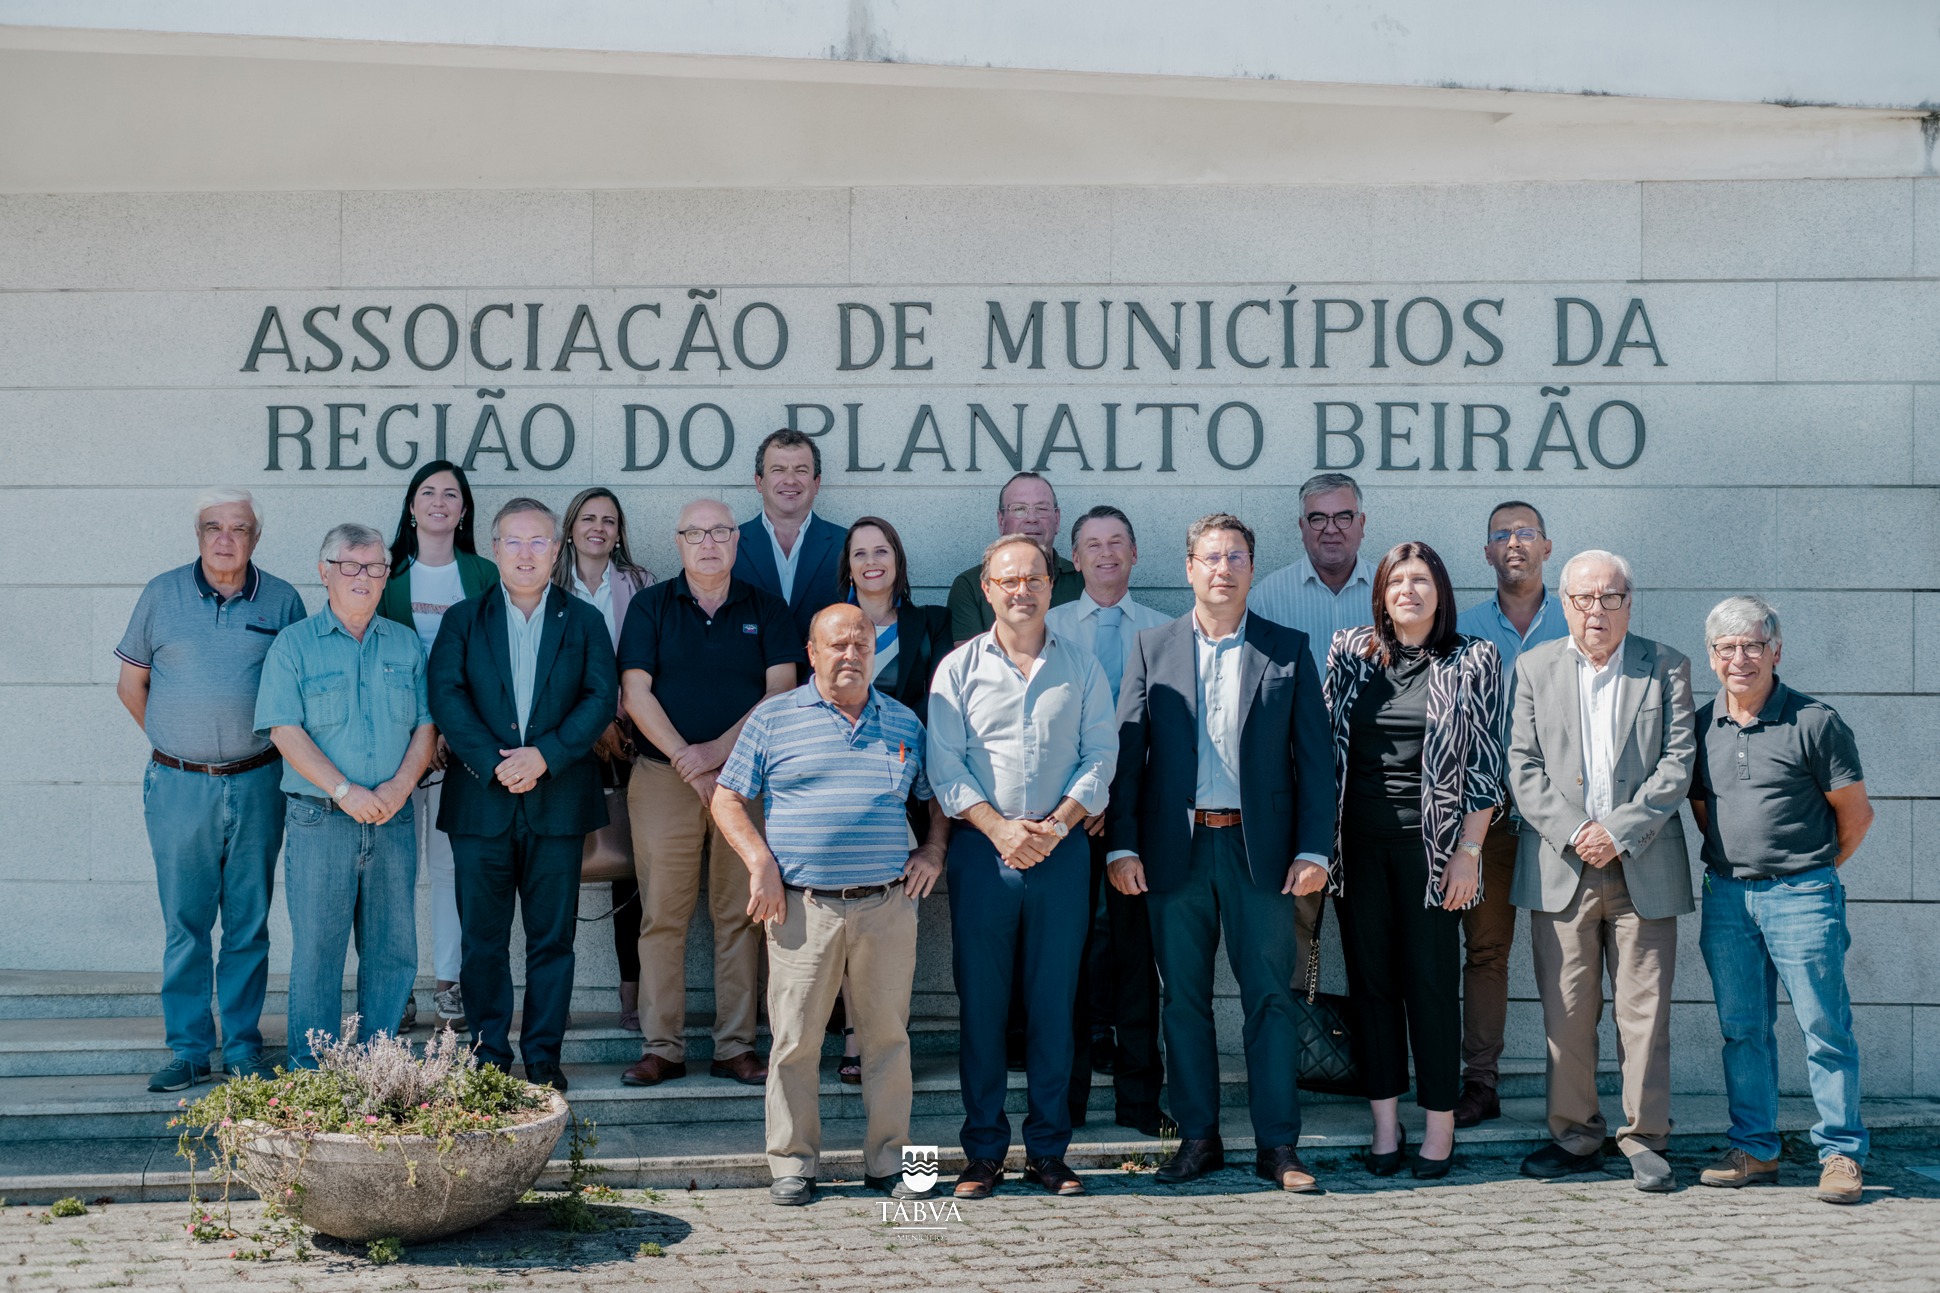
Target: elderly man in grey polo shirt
[190,661]
[1781,800]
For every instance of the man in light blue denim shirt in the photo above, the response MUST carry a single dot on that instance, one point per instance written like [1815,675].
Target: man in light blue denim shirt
[1521,614]
[343,698]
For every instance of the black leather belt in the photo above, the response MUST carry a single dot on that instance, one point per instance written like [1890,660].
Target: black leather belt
[849,894]
[253,762]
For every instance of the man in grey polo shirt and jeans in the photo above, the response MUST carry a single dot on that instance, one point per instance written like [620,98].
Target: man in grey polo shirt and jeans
[190,662]
[1781,800]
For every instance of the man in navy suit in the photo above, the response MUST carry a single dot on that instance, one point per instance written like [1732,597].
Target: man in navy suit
[1222,811]
[788,550]
[521,683]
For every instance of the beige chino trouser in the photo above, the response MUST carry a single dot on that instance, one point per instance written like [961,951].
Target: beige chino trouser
[1573,947]
[819,940]
[672,831]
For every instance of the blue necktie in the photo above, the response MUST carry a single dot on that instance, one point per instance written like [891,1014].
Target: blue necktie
[1111,648]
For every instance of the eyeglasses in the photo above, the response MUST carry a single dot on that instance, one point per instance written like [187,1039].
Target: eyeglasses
[352,569]
[1590,601]
[1523,532]
[1025,510]
[692,537]
[1749,650]
[1015,584]
[1231,560]
[537,547]
[1338,520]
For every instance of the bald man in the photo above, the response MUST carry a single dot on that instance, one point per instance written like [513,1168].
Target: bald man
[697,654]
[836,884]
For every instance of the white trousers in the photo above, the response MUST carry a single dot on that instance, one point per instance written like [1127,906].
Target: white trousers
[434,855]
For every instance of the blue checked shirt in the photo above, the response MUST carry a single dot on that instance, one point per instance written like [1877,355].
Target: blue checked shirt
[361,702]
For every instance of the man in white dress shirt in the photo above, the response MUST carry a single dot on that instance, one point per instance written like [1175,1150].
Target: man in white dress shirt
[1023,743]
[1118,981]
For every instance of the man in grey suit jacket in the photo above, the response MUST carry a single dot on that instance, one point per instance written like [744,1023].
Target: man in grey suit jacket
[1601,754]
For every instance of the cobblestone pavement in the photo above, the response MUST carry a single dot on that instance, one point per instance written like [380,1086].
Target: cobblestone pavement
[1482,1228]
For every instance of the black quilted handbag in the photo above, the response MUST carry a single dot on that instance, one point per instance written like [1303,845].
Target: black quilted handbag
[1326,1041]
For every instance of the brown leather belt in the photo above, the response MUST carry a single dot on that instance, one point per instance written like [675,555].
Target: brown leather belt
[849,894]
[255,761]
[1215,817]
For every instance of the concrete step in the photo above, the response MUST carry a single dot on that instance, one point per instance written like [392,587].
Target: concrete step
[99,1046]
[119,1106]
[716,1155]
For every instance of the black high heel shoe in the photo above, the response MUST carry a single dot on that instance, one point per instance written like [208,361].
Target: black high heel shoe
[1390,1163]
[1432,1169]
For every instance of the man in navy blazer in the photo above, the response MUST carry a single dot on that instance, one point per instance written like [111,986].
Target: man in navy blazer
[522,683]
[1222,811]
[788,550]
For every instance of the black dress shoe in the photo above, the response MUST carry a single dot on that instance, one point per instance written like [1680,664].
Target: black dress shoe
[1281,1165]
[1193,1159]
[545,1075]
[895,1187]
[1390,1163]
[1054,1176]
[1476,1105]
[792,1191]
[1432,1169]
[1552,1161]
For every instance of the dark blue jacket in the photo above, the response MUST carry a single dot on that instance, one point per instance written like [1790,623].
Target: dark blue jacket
[754,563]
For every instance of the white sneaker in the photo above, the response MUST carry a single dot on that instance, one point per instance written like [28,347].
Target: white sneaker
[450,1005]
[410,1019]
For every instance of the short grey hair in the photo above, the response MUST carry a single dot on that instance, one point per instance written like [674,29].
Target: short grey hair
[1743,616]
[1326,483]
[1598,557]
[515,506]
[348,535]
[223,496]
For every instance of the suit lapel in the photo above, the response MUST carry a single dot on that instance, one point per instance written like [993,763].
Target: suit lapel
[1178,666]
[816,543]
[554,609]
[759,549]
[1252,667]
[492,620]
[1633,679]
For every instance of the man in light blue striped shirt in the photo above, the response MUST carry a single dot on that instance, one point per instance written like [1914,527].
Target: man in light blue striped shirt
[1331,587]
[836,884]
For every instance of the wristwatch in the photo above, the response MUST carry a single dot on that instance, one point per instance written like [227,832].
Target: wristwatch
[1057,826]
[343,788]
[1471,848]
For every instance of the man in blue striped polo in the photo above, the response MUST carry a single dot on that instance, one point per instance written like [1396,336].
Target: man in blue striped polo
[836,883]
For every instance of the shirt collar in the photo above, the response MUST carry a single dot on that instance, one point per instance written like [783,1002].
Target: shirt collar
[518,616]
[1363,574]
[808,695]
[682,589]
[1087,605]
[252,580]
[769,526]
[1616,657]
[1542,610]
[1770,712]
[1199,635]
[579,584]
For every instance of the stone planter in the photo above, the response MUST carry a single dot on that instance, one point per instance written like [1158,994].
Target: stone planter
[354,1191]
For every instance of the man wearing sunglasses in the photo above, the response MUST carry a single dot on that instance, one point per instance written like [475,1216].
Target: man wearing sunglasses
[1520,615]
[343,697]
[1601,753]
[522,684]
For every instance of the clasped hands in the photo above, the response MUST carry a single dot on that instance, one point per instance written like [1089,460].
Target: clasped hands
[520,769]
[1023,844]
[1595,845]
[374,806]
[698,765]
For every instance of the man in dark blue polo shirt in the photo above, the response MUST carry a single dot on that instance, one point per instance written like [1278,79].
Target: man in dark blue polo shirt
[1782,802]
[697,654]
[190,662]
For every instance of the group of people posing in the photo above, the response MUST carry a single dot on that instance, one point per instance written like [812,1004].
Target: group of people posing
[1105,793]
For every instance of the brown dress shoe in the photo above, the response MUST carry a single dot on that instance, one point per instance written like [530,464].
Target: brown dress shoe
[1054,1175]
[652,1070]
[1477,1104]
[746,1068]
[979,1179]
[1282,1165]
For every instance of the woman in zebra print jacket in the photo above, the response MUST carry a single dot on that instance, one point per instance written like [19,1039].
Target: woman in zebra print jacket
[1417,716]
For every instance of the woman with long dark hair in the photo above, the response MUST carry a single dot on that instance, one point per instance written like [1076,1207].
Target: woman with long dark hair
[1417,722]
[434,566]
[596,565]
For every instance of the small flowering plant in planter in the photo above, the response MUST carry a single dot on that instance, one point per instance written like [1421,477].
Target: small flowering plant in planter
[376,1142]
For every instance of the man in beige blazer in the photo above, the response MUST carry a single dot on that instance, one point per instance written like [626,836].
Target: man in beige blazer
[1601,753]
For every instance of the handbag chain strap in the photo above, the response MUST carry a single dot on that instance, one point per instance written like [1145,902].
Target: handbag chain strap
[1313,950]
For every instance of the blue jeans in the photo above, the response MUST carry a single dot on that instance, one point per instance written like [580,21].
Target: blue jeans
[1756,935]
[344,879]
[215,841]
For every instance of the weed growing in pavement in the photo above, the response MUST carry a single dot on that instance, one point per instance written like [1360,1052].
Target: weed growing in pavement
[68,1207]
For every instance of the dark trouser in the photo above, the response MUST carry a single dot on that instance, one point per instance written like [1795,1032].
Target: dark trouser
[1219,892]
[995,911]
[1488,932]
[541,874]
[626,929]
[1403,964]
[1135,1004]
[1084,1015]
